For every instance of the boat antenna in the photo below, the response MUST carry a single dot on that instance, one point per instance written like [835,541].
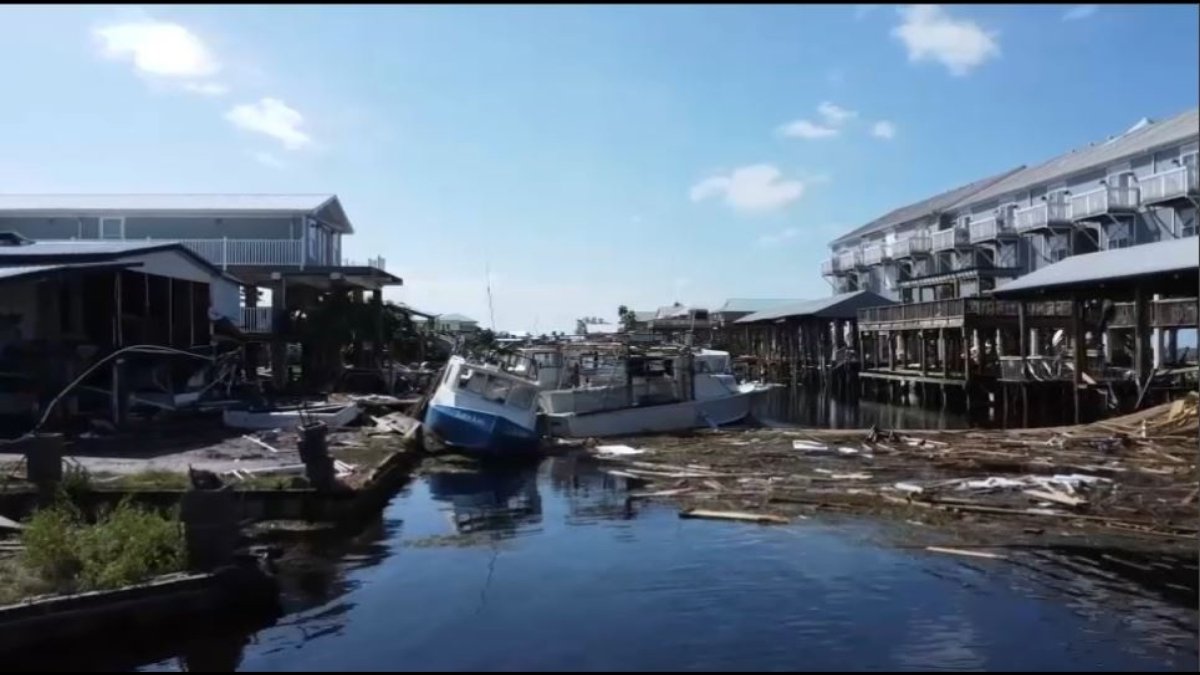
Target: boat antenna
[491,311]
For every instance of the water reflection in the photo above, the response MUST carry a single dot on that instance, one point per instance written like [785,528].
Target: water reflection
[550,567]
[819,408]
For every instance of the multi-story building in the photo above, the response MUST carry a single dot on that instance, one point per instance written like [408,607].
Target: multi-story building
[286,243]
[1138,187]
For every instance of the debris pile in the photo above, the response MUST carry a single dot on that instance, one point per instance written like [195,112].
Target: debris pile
[1131,478]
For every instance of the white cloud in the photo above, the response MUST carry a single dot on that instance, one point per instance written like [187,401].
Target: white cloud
[158,48]
[778,237]
[835,115]
[754,188]
[884,129]
[206,88]
[929,33]
[274,118]
[1080,12]
[807,129]
[267,159]
[862,11]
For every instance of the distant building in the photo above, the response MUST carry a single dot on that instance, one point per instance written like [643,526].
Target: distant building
[456,323]
[736,308]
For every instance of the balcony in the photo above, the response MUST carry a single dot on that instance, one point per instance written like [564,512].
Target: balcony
[830,267]
[1169,186]
[1048,215]
[256,320]
[989,228]
[848,260]
[948,240]
[378,263]
[1104,201]
[875,255]
[911,247]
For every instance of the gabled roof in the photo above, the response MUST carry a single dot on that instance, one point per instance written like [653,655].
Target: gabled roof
[92,251]
[643,315]
[21,272]
[324,207]
[1143,260]
[1138,140]
[456,317]
[923,208]
[734,305]
[841,306]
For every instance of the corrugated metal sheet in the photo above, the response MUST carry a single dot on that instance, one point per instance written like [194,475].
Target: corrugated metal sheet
[841,306]
[1161,257]
[753,304]
[1135,142]
[924,207]
[456,317]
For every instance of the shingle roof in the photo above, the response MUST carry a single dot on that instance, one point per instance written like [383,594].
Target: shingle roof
[1163,257]
[734,305]
[923,208]
[117,204]
[841,306]
[456,317]
[1136,141]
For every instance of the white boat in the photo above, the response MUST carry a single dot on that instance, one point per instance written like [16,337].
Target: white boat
[335,416]
[659,398]
[484,409]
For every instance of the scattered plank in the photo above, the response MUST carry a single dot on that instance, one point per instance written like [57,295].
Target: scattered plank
[6,524]
[259,443]
[763,518]
[969,554]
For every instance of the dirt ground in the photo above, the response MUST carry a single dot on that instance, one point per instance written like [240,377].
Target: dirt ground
[1127,483]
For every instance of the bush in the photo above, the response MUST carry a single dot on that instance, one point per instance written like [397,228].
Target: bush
[50,544]
[128,545]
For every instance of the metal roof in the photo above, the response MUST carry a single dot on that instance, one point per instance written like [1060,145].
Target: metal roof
[1138,140]
[923,208]
[1143,260]
[16,272]
[841,306]
[456,317]
[734,305]
[326,207]
[96,251]
[644,315]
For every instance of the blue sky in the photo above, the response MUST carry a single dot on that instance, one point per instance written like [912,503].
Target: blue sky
[592,156]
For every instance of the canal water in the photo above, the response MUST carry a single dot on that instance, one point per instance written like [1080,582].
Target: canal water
[553,568]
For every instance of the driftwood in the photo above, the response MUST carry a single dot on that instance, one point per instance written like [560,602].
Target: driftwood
[734,515]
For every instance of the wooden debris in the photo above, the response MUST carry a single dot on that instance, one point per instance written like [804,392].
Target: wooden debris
[1056,497]
[969,554]
[762,518]
[6,524]
[259,443]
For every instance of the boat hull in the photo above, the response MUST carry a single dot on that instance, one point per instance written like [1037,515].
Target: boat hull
[480,432]
[653,419]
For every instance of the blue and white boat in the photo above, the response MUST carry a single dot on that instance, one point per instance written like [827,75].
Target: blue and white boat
[484,410]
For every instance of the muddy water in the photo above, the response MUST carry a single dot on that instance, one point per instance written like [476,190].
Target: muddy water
[552,567]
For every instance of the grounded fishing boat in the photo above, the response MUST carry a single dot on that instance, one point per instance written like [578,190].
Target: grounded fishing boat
[483,409]
[662,392]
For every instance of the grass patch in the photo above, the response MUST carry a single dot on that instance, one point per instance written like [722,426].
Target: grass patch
[126,545]
[153,479]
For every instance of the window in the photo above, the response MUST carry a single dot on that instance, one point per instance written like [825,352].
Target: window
[112,228]
[521,397]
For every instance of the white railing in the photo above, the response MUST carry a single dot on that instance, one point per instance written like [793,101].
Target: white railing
[911,246]
[988,228]
[849,260]
[1042,215]
[256,319]
[830,266]
[1179,182]
[945,240]
[875,255]
[226,252]
[1103,200]
[378,263]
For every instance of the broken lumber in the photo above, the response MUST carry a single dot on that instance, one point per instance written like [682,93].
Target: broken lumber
[762,518]
[970,554]
[1056,497]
